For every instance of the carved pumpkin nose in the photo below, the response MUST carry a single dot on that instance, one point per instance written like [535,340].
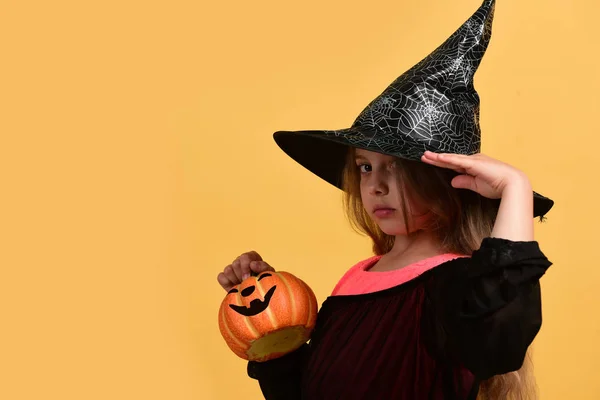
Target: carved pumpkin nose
[248,291]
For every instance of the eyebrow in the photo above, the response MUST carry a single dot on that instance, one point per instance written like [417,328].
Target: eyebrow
[359,157]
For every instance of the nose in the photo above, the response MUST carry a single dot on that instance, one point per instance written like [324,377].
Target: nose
[377,184]
[248,291]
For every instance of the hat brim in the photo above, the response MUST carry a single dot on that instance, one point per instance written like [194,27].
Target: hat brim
[324,154]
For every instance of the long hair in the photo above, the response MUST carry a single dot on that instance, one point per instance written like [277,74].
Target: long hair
[460,220]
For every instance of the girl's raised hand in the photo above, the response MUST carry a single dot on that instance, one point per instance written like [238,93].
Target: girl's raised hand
[241,268]
[480,173]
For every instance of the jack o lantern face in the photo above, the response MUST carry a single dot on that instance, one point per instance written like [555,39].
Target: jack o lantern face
[256,306]
[264,320]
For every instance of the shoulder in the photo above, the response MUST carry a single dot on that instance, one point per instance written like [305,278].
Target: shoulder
[497,266]
[495,252]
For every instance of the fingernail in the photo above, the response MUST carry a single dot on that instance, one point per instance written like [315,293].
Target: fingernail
[245,276]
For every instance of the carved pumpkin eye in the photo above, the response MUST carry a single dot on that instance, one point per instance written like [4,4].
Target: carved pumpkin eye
[263,276]
[234,290]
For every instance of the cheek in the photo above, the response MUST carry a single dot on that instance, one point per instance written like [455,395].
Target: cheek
[364,193]
[418,208]
[418,217]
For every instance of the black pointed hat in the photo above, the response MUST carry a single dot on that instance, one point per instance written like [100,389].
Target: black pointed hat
[432,106]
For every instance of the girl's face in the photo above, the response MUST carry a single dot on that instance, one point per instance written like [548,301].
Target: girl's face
[380,190]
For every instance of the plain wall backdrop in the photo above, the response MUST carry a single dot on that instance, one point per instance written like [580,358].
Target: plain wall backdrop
[137,161]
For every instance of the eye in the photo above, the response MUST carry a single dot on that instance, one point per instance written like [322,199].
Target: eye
[234,290]
[263,276]
[364,168]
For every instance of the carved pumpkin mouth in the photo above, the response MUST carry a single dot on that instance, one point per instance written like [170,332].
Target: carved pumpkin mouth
[256,306]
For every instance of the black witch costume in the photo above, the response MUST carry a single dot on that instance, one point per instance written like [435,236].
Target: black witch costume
[439,335]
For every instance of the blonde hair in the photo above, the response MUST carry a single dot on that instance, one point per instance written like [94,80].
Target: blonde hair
[460,219]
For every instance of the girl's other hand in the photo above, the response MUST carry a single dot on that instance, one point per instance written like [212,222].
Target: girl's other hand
[241,268]
[480,173]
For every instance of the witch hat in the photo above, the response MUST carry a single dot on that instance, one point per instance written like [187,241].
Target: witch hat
[432,106]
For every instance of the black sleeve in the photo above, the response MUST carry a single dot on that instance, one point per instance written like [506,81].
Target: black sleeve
[491,305]
[281,378]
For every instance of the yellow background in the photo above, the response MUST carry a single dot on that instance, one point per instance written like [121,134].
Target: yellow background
[136,161]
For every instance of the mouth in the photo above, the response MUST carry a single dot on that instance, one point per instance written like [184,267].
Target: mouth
[383,212]
[383,208]
[256,306]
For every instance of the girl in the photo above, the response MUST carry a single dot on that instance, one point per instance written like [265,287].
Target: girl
[450,302]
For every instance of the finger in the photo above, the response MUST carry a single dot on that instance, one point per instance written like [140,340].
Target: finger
[254,256]
[231,275]
[431,157]
[245,260]
[429,153]
[458,160]
[224,282]
[441,164]
[447,157]
[237,268]
[245,271]
[464,182]
[260,266]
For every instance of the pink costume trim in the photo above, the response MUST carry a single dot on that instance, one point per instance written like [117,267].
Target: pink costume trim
[358,280]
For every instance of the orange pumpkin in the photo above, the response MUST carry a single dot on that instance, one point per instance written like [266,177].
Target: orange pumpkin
[267,316]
